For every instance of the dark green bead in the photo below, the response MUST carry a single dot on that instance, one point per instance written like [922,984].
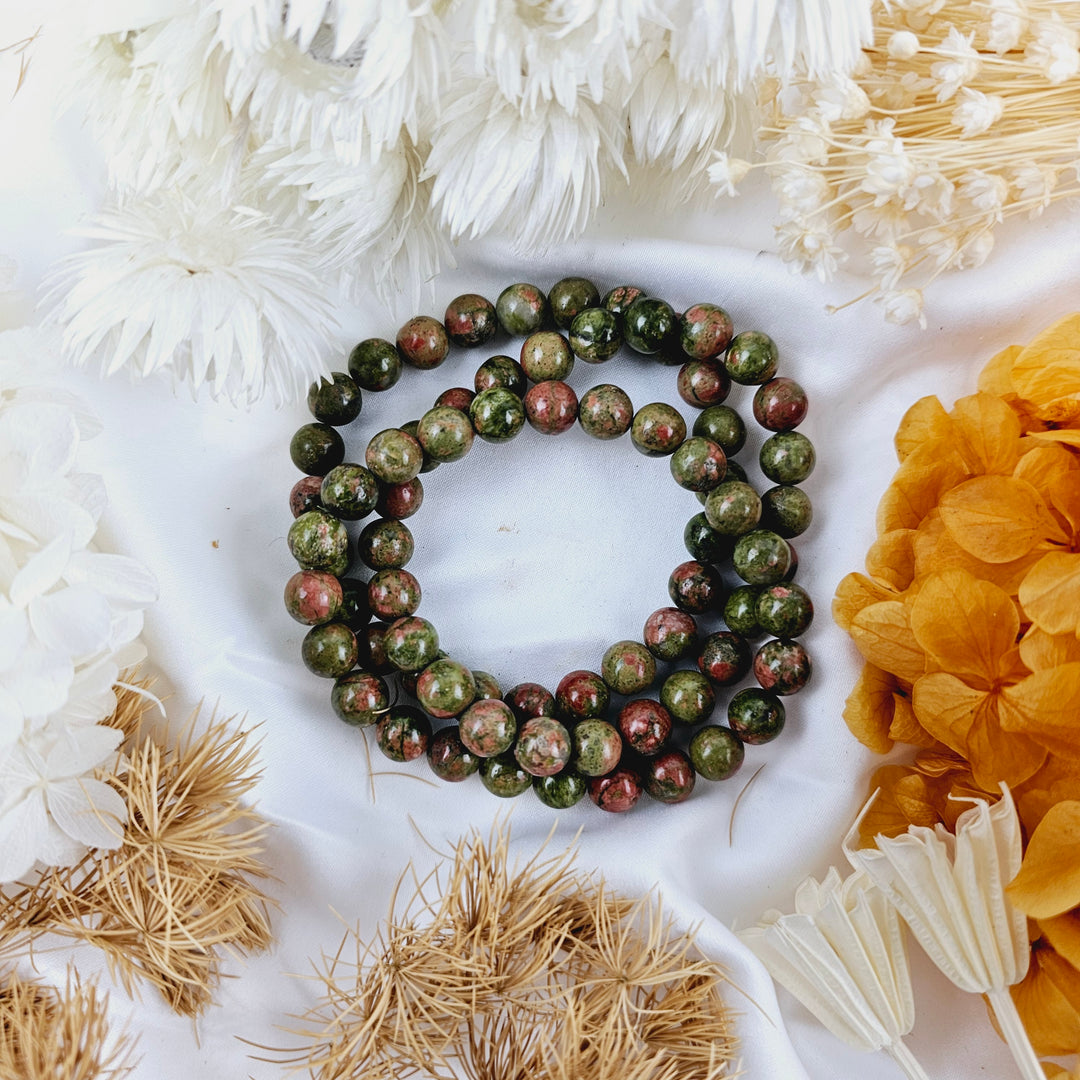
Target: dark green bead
[703,383]
[403,733]
[597,747]
[355,612]
[522,309]
[547,357]
[502,371]
[782,666]
[647,324]
[695,587]
[740,611]
[669,776]
[704,331]
[450,759]
[316,448]
[724,658]
[470,320]
[756,716]
[394,456]
[504,777]
[445,688]
[787,457]
[620,298]
[562,790]
[595,335]
[385,544]
[734,470]
[393,594]
[375,364]
[688,696]
[716,752]
[488,727]
[761,557]
[360,698]
[542,747]
[605,412]
[751,358]
[786,510]
[530,699]
[329,650]
[349,491]
[570,296]
[372,642]
[497,415]
[704,543]
[445,433]
[657,430]
[336,400]
[628,667]
[785,610]
[409,679]
[487,686]
[412,428]
[698,465]
[723,425]
[733,508]
[411,643]
[317,540]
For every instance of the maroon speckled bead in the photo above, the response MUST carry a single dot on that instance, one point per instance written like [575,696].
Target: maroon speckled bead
[470,320]
[400,500]
[605,412]
[780,405]
[724,658]
[403,733]
[782,666]
[617,792]
[457,397]
[702,383]
[313,597]
[372,641]
[670,634]
[551,407]
[305,495]
[488,727]
[450,759]
[704,331]
[669,777]
[582,695]
[695,587]
[360,698]
[422,342]
[529,699]
[393,594]
[645,725]
[542,747]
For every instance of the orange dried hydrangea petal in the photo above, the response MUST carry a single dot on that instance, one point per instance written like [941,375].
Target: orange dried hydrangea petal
[1063,494]
[1049,880]
[868,711]
[905,726]
[924,422]
[882,633]
[1045,1001]
[1063,934]
[1050,593]
[1046,707]
[1066,436]
[1041,651]
[1056,781]
[987,434]
[903,797]
[1046,372]
[1042,465]
[855,592]
[918,485]
[996,376]
[891,559]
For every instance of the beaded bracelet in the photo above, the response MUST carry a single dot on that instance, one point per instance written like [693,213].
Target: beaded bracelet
[562,745]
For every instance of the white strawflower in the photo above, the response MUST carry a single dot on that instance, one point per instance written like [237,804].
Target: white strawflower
[962,63]
[1054,50]
[903,306]
[801,190]
[725,173]
[903,45]
[1008,24]
[1035,183]
[810,245]
[987,192]
[977,112]
[806,140]
[942,245]
[840,98]
[217,295]
[890,263]
[890,170]
[976,248]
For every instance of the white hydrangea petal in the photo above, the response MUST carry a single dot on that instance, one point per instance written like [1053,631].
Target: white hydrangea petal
[120,578]
[24,830]
[45,432]
[86,420]
[75,620]
[42,572]
[78,750]
[14,633]
[47,517]
[11,720]
[89,811]
[91,698]
[40,681]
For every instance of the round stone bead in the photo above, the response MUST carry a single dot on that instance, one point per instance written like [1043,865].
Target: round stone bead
[756,716]
[385,544]
[787,457]
[336,400]
[372,642]
[780,405]
[597,747]
[445,433]
[571,296]
[329,650]
[530,699]
[595,335]
[403,733]
[394,456]
[470,320]
[628,667]
[605,412]
[581,695]
[695,587]
[705,543]
[504,777]
[733,508]
[547,356]
[542,747]
[393,594]
[670,634]
[497,415]
[704,331]
[410,679]
[762,558]
[793,569]
[647,324]
[360,698]
[501,371]
[305,495]
[317,540]
[412,427]
[313,597]
[782,667]
[751,358]
[445,688]
[522,309]
[551,407]
[716,752]
[724,658]
[645,726]
[457,397]
[688,696]
[488,727]
[411,643]
[562,790]
[724,426]
[450,759]
[349,491]
[703,383]
[786,510]
[657,430]
[616,792]
[620,298]
[400,500]
[669,776]
[422,342]
[698,465]
[316,448]
[785,610]
[355,612]
[734,472]
[740,611]
[375,364]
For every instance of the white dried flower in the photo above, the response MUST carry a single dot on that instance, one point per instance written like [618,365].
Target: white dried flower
[931,194]
[1034,182]
[801,190]
[1008,24]
[902,45]
[810,245]
[987,192]
[975,248]
[962,63]
[840,98]
[889,169]
[806,140]
[890,263]
[977,112]
[903,306]
[1054,50]
[726,172]
[885,222]
[941,245]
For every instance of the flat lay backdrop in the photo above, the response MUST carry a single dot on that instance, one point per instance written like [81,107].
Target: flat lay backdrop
[533,557]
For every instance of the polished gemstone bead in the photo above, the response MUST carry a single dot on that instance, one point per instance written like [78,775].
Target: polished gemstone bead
[645,726]
[705,543]
[355,612]
[542,747]
[349,491]
[688,696]
[657,430]
[597,747]
[336,400]
[782,666]
[551,407]
[571,296]
[488,727]
[716,752]
[316,448]
[305,495]
[360,698]
[403,733]
[786,510]
[669,776]
[628,667]
[394,456]
[670,634]
[313,597]
[724,658]
[734,472]
[704,331]
[620,298]
[445,688]
[785,610]
[695,587]
[761,557]
[504,777]
[740,611]
[470,320]
[385,544]
[618,791]
[751,358]
[581,695]
[733,508]
[497,415]
[317,540]
[698,465]
[412,427]
[457,397]
[422,342]
[595,335]
[373,641]
[329,650]
[605,412]
[409,679]
[648,323]
[530,699]
[756,716]
[724,426]
[375,364]
[487,686]
[450,759]
[547,356]
[393,594]
[503,371]
[522,309]
[703,383]
[787,457]
[445,433]
[400,500]
[780,405]
[561,791]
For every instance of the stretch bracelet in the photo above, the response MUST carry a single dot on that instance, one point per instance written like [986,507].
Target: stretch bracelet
[598,733]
